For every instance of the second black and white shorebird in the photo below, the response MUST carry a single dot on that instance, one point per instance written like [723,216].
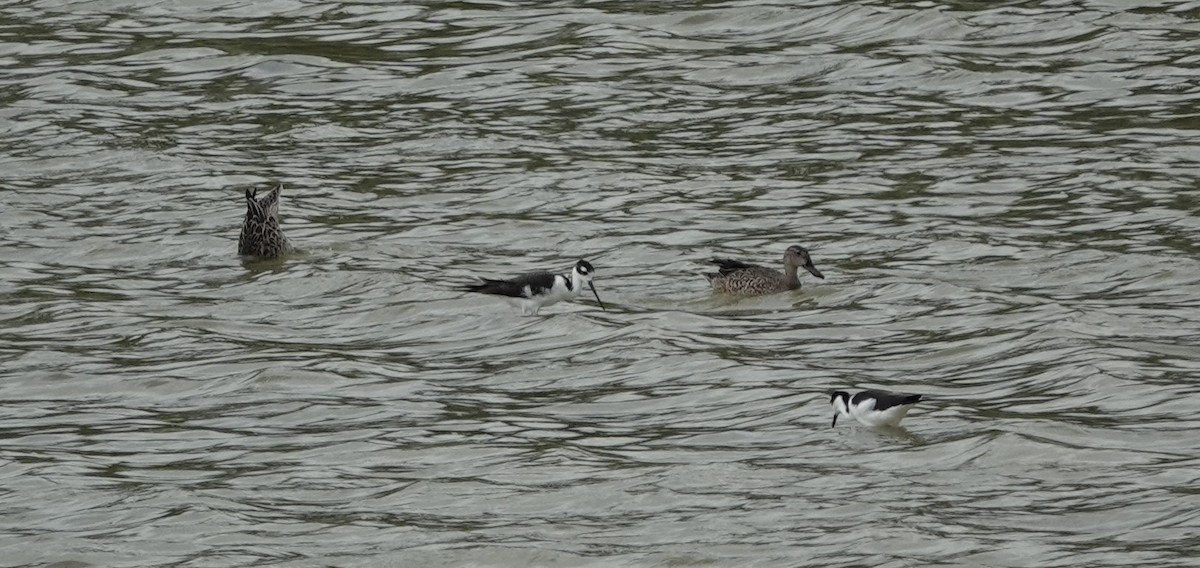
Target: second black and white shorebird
[532,291]
[873,408]
[740,278]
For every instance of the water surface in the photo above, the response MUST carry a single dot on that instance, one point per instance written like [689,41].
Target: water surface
[1001,195]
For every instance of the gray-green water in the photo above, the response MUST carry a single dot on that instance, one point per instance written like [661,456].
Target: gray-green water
[1002,196]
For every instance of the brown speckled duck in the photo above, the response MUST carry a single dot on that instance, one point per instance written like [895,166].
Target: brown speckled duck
[736,277]
[261,236]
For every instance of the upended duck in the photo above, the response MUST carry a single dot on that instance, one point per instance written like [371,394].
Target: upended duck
[262,238]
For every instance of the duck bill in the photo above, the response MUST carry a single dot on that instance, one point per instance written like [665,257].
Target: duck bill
[593,287]
[835,415]
[812,269]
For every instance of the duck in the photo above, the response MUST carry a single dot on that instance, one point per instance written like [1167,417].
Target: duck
[262,238]
[743,279]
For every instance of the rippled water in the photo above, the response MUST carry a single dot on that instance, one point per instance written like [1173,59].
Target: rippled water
[1001,195]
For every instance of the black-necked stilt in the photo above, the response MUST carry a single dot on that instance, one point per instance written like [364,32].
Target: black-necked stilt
[873,408]
[532,291]
[261,236]
[737,277]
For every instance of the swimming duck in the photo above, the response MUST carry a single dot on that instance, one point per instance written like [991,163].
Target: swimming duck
[737,277]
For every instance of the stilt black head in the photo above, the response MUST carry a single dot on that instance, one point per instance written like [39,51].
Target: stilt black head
[584,272]
[834,398]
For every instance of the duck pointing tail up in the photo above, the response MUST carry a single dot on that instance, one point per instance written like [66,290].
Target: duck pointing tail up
[262,238]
